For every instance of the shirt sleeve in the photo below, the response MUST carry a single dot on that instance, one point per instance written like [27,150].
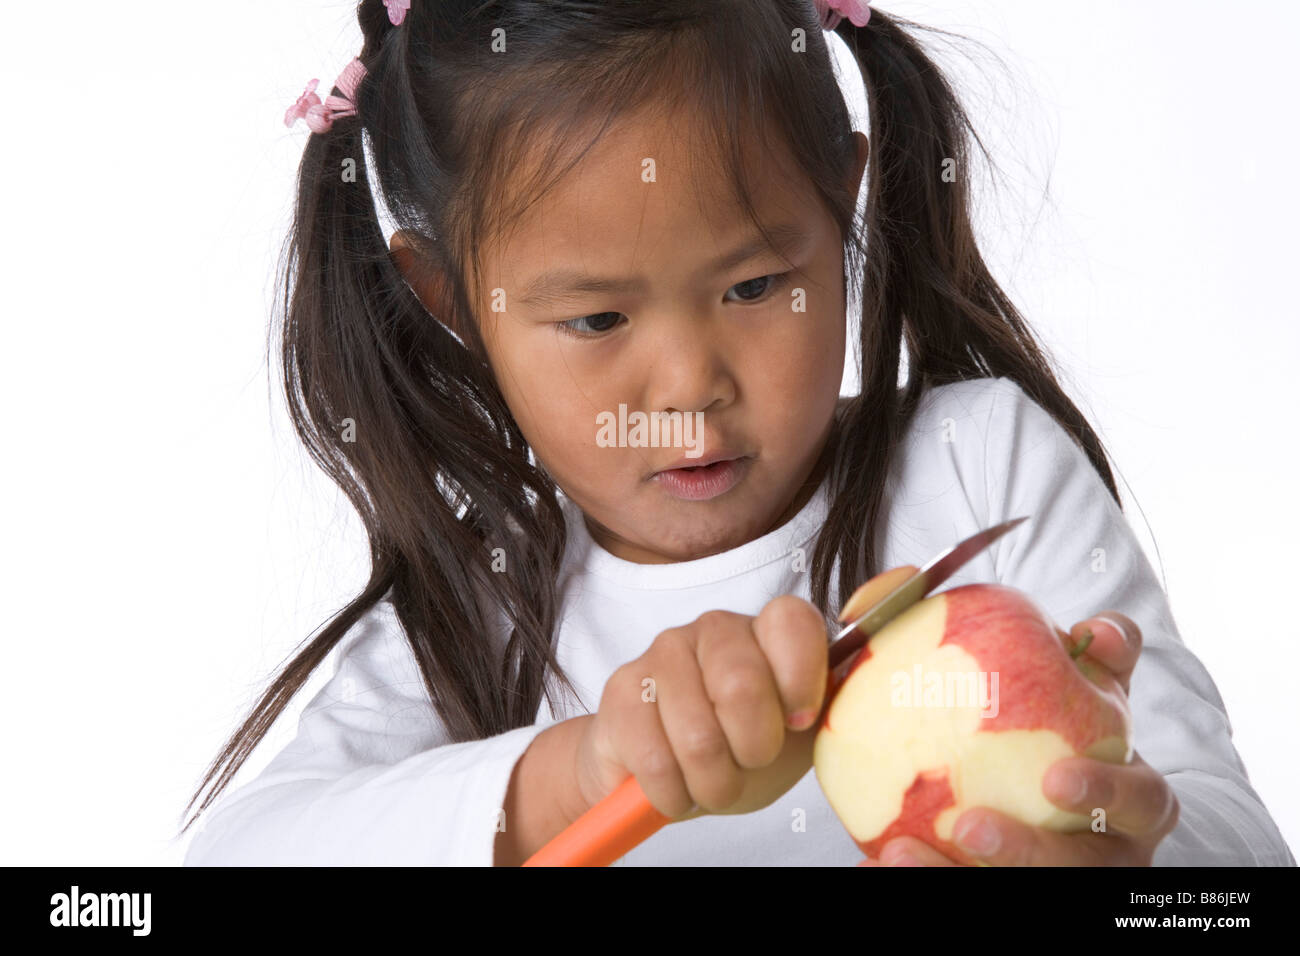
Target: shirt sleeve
[371,778]
[1078,556]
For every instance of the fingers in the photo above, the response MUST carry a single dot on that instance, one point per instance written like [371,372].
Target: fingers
[713,734]
[791,636]
[740,688]
[1139,808]
[1116,642]
[701,732]
[1135,797]
[651,761]
[996,839]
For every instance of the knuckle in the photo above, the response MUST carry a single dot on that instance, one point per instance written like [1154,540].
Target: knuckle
[793,618]
[657,763]
[704,745]
[614,687]
[625,683]
[740,688]
[672,641]
[714,619]
[627,673]
[781,607]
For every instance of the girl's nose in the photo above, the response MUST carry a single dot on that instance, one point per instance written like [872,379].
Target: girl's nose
[689,373]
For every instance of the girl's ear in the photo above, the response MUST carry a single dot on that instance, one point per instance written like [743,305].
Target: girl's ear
[860,166]
[427,283]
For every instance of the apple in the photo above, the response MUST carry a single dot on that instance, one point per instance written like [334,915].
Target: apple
[963,700]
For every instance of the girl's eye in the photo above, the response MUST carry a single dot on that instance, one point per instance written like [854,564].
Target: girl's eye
[571,326]
[754,290]
[760,286]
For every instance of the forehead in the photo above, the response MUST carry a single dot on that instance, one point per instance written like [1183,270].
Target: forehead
[653,186]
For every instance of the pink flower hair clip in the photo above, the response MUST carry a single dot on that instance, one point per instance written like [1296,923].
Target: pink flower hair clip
[319,116]
[833,11]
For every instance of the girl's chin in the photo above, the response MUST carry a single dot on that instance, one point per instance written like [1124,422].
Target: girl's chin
[685,537]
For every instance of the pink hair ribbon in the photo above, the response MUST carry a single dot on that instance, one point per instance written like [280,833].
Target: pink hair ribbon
[397,10]
[833,11]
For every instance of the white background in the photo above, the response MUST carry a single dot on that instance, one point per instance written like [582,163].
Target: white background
[167,545]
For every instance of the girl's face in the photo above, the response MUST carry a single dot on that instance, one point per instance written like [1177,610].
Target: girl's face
[634,286]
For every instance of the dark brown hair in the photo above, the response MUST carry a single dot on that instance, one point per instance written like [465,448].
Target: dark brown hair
[439,471]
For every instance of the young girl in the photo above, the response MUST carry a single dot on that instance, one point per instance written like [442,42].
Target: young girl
[621,208]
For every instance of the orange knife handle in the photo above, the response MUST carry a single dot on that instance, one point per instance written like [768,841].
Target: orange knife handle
[607,831]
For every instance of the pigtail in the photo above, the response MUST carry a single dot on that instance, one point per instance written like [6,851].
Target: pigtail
[925,285]
[409,424]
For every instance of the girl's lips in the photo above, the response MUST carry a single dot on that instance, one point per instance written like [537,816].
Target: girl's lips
[703,483]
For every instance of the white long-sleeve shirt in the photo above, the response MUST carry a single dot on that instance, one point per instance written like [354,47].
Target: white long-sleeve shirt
[371,778]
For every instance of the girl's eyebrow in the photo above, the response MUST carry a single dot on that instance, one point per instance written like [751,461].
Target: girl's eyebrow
[562,282]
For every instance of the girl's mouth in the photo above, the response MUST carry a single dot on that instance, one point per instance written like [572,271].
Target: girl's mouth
[702,482]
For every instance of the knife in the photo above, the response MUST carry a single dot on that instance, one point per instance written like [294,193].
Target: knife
[626,818]
[936,571]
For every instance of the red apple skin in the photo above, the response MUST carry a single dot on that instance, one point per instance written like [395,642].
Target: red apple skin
[1041,689]
[928,796]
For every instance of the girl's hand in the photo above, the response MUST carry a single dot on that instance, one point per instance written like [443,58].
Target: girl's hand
[1141,808]
[716,717]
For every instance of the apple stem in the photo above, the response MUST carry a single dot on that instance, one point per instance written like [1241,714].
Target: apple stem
[1083,643]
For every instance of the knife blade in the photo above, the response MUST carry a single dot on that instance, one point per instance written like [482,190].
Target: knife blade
[941,567]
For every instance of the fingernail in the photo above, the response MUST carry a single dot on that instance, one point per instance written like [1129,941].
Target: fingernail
[801,720]
[1123,633]
[982,839]
[898,858]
